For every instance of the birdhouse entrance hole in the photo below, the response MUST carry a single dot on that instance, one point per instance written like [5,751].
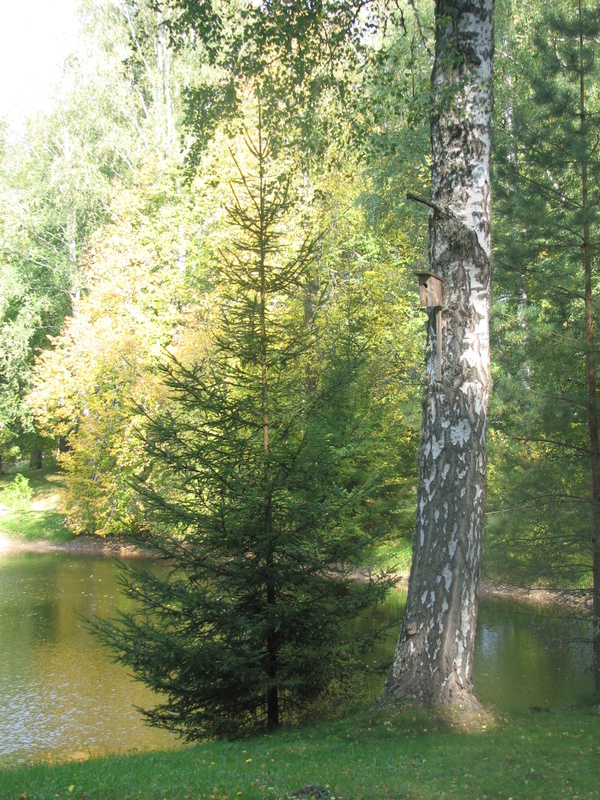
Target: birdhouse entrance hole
[430,289]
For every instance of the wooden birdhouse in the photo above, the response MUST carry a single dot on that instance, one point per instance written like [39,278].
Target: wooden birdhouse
[430,289]
[431,296]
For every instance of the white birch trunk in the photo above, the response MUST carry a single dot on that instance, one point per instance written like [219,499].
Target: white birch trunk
[434,657]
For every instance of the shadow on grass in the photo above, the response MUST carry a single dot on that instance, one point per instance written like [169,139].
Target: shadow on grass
[31,526]
[369,755]
[43,519]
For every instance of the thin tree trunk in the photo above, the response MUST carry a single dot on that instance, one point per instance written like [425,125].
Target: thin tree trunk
[590,369]
[434,656]
[63,444]
[36,458]
[272,645]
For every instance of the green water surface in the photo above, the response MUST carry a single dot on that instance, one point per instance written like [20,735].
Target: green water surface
[62,695]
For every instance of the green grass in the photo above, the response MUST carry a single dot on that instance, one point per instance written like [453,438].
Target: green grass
[42,519]
[32,526]
[395,555]
[42,481]
[371,755]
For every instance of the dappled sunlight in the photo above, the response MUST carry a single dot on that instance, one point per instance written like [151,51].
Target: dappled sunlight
[50,502]
[6,544]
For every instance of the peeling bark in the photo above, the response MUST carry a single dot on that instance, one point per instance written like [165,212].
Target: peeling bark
[434,657]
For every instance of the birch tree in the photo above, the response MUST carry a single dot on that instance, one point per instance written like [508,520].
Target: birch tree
[434,655]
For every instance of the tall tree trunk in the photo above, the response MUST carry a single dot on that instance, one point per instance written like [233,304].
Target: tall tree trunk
[434,656]
[36,458]
[272,645]
[63,444]
[590,367]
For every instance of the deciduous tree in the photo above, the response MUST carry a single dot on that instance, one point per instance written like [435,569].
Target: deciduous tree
[434,657]
[142,286]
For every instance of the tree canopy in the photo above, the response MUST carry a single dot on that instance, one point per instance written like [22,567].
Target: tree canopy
[126,278]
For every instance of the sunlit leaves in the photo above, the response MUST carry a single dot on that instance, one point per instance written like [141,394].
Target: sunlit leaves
[137,298]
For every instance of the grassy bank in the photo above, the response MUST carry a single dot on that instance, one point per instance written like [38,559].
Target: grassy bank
[371,755]
[39,517]
[36,515]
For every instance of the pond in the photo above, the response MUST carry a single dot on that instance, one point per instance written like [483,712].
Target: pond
[62,695]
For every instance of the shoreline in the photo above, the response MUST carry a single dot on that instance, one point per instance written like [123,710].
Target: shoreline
[83,545]
[120,547]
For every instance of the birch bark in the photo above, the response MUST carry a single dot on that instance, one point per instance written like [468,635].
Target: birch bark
[434,656]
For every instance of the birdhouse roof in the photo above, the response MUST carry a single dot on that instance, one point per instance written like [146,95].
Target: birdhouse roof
[427,274]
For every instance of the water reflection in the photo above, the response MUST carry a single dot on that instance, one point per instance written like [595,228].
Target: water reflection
[62,696]
[524,658]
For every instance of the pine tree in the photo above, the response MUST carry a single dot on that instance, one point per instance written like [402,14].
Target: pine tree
[252,500]
[546,410]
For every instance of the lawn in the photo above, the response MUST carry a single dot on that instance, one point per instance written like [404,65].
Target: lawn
[36,514]
[372,754]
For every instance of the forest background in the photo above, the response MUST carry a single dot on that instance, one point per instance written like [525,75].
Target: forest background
[114,218]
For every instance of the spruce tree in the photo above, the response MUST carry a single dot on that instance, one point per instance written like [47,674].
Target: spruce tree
[252,500]
[546,442]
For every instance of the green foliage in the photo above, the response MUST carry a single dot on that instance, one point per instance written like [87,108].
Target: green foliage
[34,274]
[118,109]
[17,495]
[301,57]
[133,304]
[539,498]
[390,123]
[259,471]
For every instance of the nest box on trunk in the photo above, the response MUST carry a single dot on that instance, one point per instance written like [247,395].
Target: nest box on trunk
[431,295]
[430,289]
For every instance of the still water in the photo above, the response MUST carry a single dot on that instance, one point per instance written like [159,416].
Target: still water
[62,696]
